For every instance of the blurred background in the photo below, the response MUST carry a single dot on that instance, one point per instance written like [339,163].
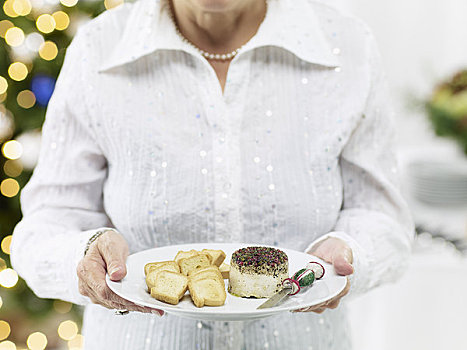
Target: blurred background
[423,44]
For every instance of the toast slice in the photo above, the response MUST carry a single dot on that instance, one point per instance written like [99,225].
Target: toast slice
[211,271]
[217,256]
[192,263]
[225,270]
[169,287]
[154,265]
[207,291]
[183,255]
[154,271]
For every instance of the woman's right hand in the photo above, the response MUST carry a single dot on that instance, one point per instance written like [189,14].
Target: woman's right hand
[108,253]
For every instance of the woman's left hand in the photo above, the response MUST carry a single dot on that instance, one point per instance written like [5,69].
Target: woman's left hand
[336,252]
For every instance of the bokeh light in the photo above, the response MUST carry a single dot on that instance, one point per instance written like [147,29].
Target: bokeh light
[37,341]
[42,86]
[61,20]
[13,168]
[6,242]
[45,23]
[8,9]
[67,330]
[26,99]
[14,36]
[3,85]
[34,41]
[12,149]
[69,3]
[9,187]
[4,330]
[76,343]
[7,345]
[110,4]
[22,7]
[48,50]
[8,278]
[1,302]
[4,26]
[62,307]
[2,264]
[18,71]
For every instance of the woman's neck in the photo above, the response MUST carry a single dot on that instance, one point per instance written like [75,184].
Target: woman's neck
[219,30]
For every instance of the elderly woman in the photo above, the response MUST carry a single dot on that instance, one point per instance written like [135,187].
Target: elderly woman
[213,121]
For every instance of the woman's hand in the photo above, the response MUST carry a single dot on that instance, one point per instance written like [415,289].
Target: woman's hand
[108,253]
[336,252]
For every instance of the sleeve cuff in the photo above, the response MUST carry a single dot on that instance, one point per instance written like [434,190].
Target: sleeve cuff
[360,260]
[76,253]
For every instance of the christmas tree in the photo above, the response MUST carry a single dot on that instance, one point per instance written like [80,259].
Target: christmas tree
[34,35]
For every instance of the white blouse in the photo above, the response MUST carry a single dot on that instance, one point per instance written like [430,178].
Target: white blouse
[139,136]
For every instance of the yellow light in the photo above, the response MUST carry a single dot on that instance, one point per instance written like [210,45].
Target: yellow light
[61,20]
[37,341]
[18,71]
[8,9]
[3,85]
[3,97]
[1,302]
[2,265]
[7,345]
[14,36]
[67,330]
[13,168]
[45,23]
[69,3]
[9,187]
[48,50]
[62,307]
[76,343]
[22,7]
[4,26]
[4,330]
[26,99]
[110,4]
[8,278]
[6,242]
[12,149]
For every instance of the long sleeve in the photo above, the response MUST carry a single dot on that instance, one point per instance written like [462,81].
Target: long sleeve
[374,220]
[62,202]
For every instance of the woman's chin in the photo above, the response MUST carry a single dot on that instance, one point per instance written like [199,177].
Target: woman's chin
[215,5]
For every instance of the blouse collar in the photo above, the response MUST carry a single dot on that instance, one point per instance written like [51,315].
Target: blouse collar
[289,24]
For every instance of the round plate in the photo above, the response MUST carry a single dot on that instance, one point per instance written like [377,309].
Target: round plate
[133,286]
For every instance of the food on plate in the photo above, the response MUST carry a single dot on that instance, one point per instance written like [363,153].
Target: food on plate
[207,291]
[224,269]
[183,255]
[257,271]
[154,265]
[155,269]
[317,269]
[211,270]
[217,256]
[169,287]
[194,262]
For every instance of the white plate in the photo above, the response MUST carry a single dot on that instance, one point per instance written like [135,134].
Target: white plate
[133,286]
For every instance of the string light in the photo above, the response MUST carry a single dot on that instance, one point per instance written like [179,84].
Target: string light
[37,341]
[12,149]
[18,71]
[76,343]
[26,99]
[48,50]
[4,330]
[14,36]
[8,9]
[45,23]
[8,278]
[6,242]
[9,187]
[7,345]
[67,330]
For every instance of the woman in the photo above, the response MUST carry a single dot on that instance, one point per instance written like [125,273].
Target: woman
[151,139]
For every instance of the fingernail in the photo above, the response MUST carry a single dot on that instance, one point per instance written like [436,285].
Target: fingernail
[115,269]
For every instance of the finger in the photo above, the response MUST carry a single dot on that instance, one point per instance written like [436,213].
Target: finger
[114,251]
[342,260]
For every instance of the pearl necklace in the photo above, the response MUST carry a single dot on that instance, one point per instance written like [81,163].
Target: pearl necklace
[211,56]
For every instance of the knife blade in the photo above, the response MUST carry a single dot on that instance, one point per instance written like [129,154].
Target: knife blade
[276,298]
